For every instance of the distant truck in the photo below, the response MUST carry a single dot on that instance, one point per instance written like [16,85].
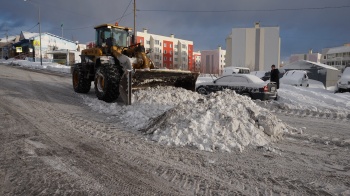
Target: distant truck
[235,70]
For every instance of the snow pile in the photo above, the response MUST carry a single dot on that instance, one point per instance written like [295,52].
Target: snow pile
[173,116]
[36,65]
[313,101]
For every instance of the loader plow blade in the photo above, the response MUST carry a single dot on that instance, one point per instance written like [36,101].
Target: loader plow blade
[155,77]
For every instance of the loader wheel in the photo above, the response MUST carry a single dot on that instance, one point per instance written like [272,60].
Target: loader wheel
[107,80]
[81,84]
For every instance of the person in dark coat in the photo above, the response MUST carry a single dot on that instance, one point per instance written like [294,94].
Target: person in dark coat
[275,76]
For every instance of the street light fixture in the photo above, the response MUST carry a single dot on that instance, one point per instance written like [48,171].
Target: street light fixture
[40,51]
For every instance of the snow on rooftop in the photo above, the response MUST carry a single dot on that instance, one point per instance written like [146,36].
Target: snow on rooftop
[303,64]
[7,39]
[28,35]
[340,49]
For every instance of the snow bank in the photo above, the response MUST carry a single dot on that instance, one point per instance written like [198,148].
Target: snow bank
[36,65]
[173,116]
[316,102]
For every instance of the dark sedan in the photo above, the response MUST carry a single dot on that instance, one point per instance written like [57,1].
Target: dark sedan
[244,84]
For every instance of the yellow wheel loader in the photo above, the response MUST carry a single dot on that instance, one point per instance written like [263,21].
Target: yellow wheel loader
[118,67]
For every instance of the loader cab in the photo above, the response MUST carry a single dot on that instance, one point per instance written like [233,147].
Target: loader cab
[110,35]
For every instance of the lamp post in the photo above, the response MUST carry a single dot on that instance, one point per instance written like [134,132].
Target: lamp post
[40,50]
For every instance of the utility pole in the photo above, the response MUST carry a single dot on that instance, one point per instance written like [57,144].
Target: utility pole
[62,29]
[40,51]
[135,38]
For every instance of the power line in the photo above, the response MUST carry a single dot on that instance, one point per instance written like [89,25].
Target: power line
[91,26]
[125,11]
[249,10]
[33,27]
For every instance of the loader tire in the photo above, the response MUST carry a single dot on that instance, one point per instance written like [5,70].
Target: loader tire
[81,84]
[107,80]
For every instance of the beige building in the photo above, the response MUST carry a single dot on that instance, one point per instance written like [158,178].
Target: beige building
[256,48]
[310,56]
[338,57]
[213,61]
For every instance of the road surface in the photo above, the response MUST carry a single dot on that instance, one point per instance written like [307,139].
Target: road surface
[53,144]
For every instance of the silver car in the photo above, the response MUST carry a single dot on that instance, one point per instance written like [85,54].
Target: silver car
[244,84]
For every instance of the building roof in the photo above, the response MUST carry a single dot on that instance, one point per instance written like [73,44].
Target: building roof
[8,39]
[303,64]
[340,49]
[28,35]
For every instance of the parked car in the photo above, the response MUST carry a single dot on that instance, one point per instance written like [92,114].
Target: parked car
[295,78]
[266,76]
[244,84]
[343,84]
[235,70]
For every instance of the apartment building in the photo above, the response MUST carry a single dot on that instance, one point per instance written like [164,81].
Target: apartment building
[167,52]
[338,57]
[213,61]
[256,48]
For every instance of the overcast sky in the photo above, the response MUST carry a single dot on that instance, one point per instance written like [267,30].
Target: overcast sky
[304,24]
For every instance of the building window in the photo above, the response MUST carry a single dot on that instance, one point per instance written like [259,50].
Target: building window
[164,44]
[148,42]
[175,59]
[184,46]
[170,59]
[176,46]
[156,42]
[164,51]
[165,58]
[171,52]
[171,45]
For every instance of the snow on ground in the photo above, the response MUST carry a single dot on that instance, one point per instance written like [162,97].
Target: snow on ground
[224,121]
[316,102]
[174,116]
[36,65]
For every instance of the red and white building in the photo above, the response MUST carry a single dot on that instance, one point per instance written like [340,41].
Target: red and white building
[168,52]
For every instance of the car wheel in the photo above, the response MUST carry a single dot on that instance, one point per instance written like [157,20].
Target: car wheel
[246,94]
[202,90]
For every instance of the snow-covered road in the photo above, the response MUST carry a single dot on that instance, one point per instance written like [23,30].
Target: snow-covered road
[170,141]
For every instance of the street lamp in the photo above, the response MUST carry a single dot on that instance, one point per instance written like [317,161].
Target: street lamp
[40,51]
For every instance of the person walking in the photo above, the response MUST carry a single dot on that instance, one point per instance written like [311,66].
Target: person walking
[275,76]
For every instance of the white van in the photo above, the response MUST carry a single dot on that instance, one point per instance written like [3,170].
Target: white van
[343,83]
[295,78]
[235,70]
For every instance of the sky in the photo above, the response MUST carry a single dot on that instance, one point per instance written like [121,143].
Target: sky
[224,121]
[304,24]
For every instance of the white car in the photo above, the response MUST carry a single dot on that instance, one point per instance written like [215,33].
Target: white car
[235,70]
[244,84]
[295,78]
[343,83]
